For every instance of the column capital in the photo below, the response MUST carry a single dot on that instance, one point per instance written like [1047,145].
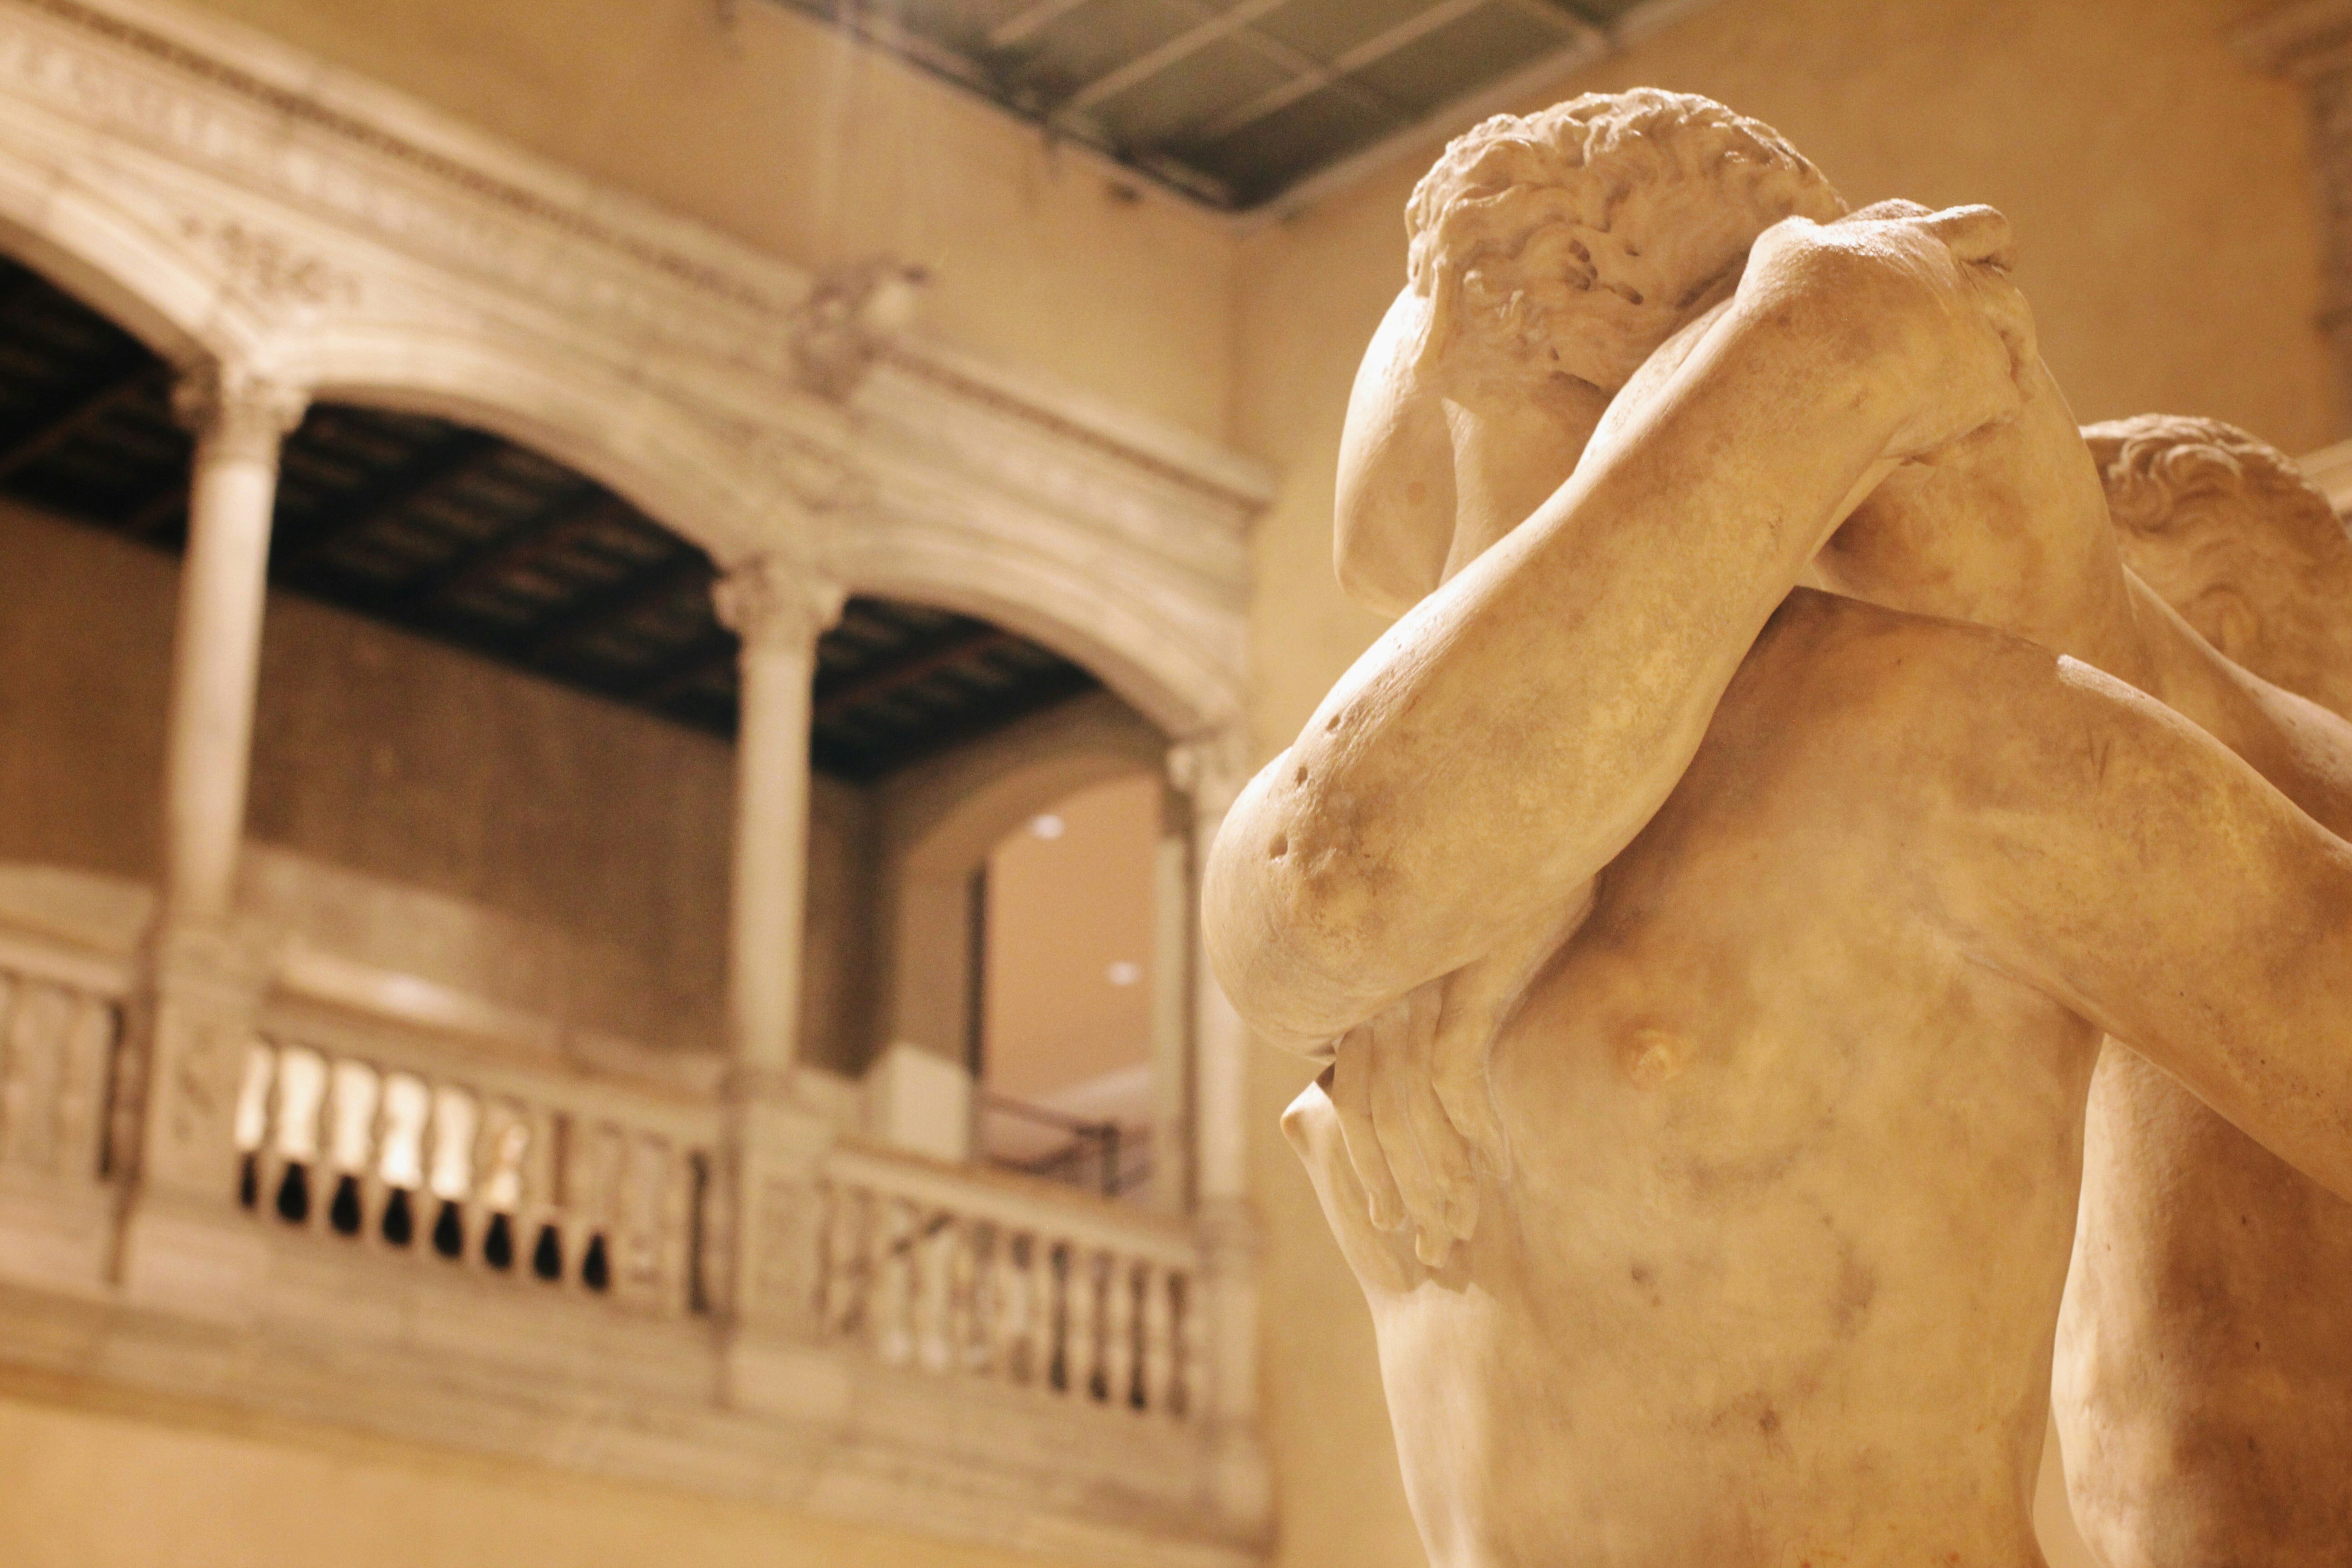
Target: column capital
[236,411]
[770,601]
[1212,767]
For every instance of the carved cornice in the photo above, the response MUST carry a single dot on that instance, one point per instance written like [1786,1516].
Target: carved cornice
[234,413]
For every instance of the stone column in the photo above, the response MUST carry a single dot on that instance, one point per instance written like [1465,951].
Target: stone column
[196,1014]
[779,609]
[2310,41]
[1173,1005]
[774,1145]
[1212,770]
[238,420]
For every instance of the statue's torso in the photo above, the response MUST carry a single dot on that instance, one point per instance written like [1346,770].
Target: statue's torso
[1774,1276]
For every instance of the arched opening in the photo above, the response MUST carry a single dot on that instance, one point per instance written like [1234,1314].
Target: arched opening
[1069,961]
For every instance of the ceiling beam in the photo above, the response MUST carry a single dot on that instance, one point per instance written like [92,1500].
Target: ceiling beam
[1184,45]
[1377,47]
[965,647]
[617,602]
[439,463]
[122,381]
[1036,692]
[1021,23]
[569,512]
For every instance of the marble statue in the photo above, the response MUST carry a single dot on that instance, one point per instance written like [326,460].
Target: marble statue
[2203,1383]
[1712,967]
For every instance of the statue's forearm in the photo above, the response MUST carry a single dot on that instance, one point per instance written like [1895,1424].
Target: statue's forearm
[1503,740]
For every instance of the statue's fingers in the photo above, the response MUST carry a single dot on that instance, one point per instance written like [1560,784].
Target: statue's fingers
[1392,1118]
[1445,1150]
[2005,307]
[1351,1097]
[1458,1072]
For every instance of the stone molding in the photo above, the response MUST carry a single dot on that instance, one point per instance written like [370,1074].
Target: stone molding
[232,200]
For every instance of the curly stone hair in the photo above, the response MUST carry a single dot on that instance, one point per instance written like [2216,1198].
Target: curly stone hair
[2208,498]
[1585,233]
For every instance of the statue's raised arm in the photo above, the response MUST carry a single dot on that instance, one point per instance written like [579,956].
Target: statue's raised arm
[1516,727]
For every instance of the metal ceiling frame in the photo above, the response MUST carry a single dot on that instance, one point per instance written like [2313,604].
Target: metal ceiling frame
[1069,118]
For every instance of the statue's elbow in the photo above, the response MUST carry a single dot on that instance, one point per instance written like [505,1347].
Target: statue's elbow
[1266,929]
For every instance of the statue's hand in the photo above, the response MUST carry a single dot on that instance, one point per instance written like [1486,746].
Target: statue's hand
[1416,1101]
[1917,305]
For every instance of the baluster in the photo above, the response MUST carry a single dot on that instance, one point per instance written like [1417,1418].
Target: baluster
[538,1232]
[351,1140]
[841,1270]
[400,1160]
[505,1147]
[1191,1342]
[301,1084]
[1159,1336]
[1119,1331]
[449,1178]
[640,1222]
[36,1038]
[983,1296]
[252,1127]
[677,1222]
[1020,1353]
[81,1090]
[597,1208]
[1061,1264]
[934,1322]
[891,1305]
[1079,1317]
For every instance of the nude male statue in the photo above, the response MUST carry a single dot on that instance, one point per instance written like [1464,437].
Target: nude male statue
[2203,1383]
[1793,925]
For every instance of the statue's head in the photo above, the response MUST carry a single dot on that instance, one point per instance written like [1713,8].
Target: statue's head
[2228,532]
[1550,255]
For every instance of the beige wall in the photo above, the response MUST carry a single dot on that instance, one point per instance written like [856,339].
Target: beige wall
[90,1484]
[772,129]
[2165,211]
[592,842]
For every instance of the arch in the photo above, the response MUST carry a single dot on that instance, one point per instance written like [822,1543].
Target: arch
[937,823]
[567,406]
[1165,665]
[152,286]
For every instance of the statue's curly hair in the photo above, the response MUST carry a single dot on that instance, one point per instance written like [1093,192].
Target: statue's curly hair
[2207,497]
[1586,232]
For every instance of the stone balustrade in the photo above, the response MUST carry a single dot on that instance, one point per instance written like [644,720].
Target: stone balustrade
[402,1146]
[965,1274]
[60,1018]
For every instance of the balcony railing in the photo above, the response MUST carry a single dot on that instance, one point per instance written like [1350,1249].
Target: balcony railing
[60,1017]
[413,1150]
[445,1235]
[947,1270]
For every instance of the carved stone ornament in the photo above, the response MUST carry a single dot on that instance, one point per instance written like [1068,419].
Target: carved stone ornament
[769,601]
[838,331]
[237,413]
[268,271]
